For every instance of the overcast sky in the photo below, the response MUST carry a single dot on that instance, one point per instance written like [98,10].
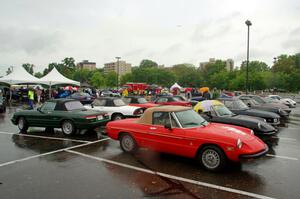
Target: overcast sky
[166,31]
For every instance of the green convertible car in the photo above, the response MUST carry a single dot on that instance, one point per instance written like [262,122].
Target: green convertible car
[67,114]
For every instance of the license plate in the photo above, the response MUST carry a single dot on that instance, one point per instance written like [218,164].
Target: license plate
[99,117]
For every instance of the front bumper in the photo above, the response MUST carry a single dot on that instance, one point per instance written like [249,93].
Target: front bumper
[255,155]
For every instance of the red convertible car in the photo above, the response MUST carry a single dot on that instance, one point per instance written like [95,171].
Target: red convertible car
[180,130]
[138,101]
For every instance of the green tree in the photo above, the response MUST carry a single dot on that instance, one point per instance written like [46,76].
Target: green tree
[82,75]
[111,79]
[69,62]
[255,66]
[187,75]
[38,74]
[98,80]
[146,63]
[28,67]
[127,78]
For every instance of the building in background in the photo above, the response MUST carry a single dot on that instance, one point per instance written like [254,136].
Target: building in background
[85,64]
[113,66]
[229,64]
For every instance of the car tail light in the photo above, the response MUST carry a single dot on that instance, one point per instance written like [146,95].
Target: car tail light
[138,112]
[90,117]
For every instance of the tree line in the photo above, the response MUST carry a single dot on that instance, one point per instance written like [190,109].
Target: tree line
[283,74]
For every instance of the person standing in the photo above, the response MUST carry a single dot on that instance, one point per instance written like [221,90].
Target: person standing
[30,98]
[38,94]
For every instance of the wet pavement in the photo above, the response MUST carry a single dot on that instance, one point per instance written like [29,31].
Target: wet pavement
[48,165]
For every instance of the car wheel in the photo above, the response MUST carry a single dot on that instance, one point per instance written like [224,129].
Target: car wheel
[212,158]
[68,128]
[22,124]
[117,117]
[127,143]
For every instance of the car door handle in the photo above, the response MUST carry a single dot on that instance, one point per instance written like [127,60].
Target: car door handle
[152,128]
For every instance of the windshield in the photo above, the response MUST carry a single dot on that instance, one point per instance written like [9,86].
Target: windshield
[222,110]
[142,101]
[259,100]
[119,102]
[74,105]
[179,98]
[190,118]
[240,105]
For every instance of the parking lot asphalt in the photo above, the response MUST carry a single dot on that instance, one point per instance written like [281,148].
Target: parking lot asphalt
[49,165]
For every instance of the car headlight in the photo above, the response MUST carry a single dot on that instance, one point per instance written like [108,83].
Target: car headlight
[259,125]
[265,120]
[239,144]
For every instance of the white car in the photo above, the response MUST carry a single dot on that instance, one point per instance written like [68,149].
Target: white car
[286,101]
[115,108]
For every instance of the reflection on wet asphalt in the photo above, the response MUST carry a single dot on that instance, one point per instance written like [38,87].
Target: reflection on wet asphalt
[72,176]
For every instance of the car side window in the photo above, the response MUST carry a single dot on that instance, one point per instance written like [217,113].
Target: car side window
[99,102]
[48,106]
[163,99]
[128,100]
[161,118]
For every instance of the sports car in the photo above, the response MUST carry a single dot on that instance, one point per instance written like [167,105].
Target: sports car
[138,101]
[215,111]
[180,130]
[67,114]
[286,101]
[265,107]
[115,107]
[240,108]
[172,100]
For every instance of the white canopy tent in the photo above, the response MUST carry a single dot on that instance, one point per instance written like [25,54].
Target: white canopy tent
[175,86]
[54,77]
[19,76]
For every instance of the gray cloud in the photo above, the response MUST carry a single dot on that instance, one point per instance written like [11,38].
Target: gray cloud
[30,40]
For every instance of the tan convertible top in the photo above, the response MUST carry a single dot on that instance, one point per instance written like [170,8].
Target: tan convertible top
[146,118]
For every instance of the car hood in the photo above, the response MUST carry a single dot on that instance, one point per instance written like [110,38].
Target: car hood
[217,131]
[263,114]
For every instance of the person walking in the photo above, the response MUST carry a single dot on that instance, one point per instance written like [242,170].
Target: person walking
[30,98]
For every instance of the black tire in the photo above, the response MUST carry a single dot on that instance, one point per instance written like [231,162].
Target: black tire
[68,128]
[22,125]
[117,116]
[128,143]
[212,158]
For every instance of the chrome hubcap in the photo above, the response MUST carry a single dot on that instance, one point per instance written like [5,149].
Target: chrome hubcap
[118,118]
[21,124]
[210,158]
[127,143]
[67,127]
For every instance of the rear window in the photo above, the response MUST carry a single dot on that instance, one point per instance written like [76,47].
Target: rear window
[73,105]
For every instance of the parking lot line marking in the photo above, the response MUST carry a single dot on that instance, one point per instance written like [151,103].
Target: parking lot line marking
[44,137]
[52,152]
[283,157]
[195,182]
[286,138]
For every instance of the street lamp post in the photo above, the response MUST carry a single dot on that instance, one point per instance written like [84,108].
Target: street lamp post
[248,23]
[118,66]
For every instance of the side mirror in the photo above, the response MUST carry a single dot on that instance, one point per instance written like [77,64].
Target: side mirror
[92,105]
[168,126]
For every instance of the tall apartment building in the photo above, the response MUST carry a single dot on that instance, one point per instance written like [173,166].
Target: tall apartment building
[229,64]
[113,66]
[85,64]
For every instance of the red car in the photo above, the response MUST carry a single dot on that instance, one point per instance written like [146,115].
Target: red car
[180,130]
[172,100]
[139,102]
